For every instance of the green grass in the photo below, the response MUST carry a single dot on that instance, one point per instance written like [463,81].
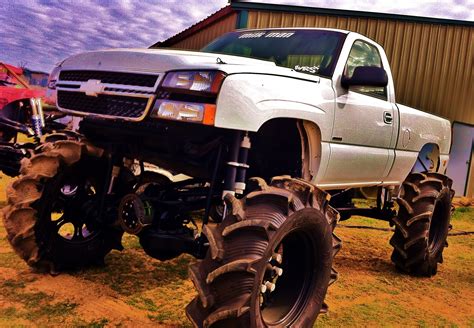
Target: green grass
[463,219]
[369,292]
[10,260]
[32,305]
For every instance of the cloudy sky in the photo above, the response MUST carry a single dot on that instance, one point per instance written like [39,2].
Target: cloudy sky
[39,33]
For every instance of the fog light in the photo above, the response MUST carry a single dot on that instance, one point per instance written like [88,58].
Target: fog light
[184,111]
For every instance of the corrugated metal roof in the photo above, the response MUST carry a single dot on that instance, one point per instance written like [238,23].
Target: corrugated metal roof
[207,33]
[245,5]
[209,20]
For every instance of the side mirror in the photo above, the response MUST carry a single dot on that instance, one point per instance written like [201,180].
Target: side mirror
[367,76]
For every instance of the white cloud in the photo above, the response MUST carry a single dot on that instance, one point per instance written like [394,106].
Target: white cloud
[42,32]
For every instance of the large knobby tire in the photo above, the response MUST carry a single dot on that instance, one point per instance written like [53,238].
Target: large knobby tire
[422,224]
[58,187]
[284,229]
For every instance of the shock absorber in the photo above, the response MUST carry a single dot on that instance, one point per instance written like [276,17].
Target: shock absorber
[243,166]
[36,116]
[39,105]
[237,166]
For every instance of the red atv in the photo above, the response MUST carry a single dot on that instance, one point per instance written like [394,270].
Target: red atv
[17,101]
[21,111]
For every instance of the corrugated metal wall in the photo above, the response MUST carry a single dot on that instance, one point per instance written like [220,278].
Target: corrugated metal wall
[432,64]
[209,33]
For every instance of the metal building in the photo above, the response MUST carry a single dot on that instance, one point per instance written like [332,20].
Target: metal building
[432,60]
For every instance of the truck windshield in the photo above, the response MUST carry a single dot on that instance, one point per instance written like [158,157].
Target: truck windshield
[307,51]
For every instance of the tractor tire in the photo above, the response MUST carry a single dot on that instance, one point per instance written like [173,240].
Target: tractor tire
[59,188]
[269,262]
[422,223]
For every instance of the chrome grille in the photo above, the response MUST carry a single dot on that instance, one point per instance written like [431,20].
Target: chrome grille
[118,106]
[122,95]
[142,80]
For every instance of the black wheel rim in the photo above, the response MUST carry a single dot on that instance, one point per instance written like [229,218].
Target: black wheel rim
[283,305]
[439,225]
[73,210]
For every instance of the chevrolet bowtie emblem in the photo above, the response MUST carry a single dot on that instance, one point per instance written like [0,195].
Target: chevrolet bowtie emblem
[92,88]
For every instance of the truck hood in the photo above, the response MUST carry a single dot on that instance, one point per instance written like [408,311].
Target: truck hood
[163,60]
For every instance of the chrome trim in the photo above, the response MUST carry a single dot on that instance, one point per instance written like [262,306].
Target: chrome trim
[109,85]
[112,93]
[159,76]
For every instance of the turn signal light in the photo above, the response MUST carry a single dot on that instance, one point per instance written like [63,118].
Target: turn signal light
[184,111]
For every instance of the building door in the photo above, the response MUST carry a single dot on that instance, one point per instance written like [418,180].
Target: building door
[460,158]
[470,179]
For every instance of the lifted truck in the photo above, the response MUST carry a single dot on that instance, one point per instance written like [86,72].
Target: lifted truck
[269,124]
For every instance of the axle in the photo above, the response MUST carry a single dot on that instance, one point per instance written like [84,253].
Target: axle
[384,209]
[164,216]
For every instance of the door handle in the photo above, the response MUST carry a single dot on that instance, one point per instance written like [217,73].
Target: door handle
[387,118]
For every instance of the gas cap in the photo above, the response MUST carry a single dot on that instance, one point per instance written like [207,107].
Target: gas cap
[406,138]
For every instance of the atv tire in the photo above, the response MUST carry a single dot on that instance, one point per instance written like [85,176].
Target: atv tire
[283,229]
[422,224]
[59,186]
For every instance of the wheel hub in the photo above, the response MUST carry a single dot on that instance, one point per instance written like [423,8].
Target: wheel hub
[72,212]
[287,280]
[269,284]
[134,214]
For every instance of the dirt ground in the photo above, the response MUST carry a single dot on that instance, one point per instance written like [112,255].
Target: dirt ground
[135,290]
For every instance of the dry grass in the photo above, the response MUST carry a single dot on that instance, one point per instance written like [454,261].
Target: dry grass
[136,290]
[371,292]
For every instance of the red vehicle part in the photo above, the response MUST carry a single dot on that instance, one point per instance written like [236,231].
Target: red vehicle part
[13,87]
[15,95]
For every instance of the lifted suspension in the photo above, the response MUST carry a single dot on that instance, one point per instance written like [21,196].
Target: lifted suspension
[161,215]
[384,210]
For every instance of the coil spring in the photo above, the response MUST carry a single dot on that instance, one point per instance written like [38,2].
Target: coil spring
[36,122]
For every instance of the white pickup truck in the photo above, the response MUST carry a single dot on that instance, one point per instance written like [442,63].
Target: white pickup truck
[240,117]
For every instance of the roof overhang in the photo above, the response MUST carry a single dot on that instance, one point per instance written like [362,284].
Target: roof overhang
[218,15]
[248,5]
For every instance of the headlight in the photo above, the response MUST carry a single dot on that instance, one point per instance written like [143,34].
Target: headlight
[184,111]
[204,81]
[53,77]
[188,96]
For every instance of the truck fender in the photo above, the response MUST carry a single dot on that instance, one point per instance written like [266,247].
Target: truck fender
[429,159]
[311,149]
[247,101]
[293,147]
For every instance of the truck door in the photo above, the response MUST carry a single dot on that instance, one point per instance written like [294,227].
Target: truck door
[365,121]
